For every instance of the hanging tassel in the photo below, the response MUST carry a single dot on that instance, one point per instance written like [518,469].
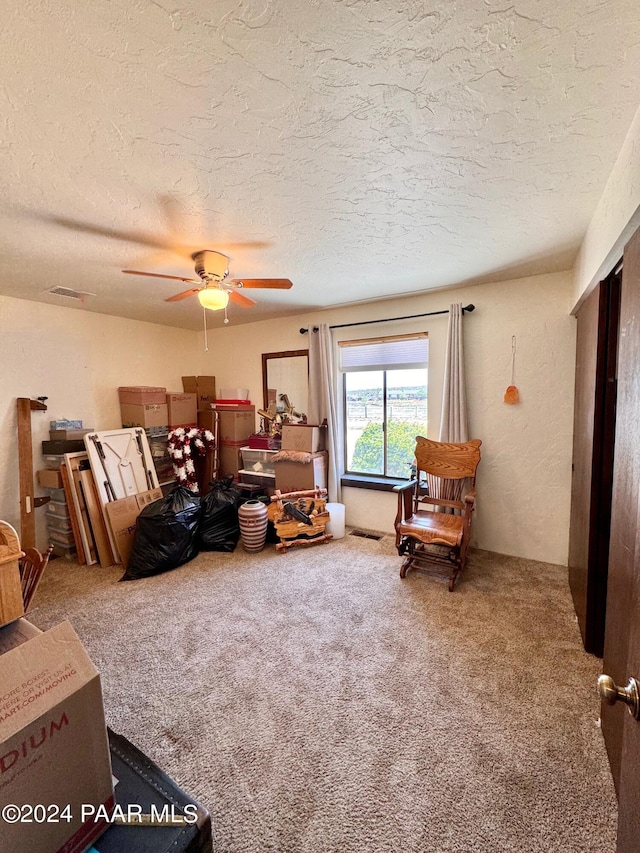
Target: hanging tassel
[511,395]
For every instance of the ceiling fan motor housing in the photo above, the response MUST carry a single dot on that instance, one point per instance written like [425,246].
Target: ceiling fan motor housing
[211,265]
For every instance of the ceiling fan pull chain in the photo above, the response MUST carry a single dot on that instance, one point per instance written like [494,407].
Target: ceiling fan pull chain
[226,319]
[204,320]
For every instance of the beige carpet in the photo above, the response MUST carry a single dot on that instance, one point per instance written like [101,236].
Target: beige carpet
[313,701]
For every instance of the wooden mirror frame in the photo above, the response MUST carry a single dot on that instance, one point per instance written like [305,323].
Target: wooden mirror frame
[265,360]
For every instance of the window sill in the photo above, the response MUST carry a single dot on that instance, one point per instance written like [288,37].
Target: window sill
[377,484]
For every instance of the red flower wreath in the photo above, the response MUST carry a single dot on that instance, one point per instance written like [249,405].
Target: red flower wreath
[180,444]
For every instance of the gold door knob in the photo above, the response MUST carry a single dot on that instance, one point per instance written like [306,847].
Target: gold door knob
[611,693]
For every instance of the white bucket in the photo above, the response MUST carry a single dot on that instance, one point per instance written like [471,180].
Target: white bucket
[336,525]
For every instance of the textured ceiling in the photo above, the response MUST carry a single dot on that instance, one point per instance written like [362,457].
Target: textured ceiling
[364,147]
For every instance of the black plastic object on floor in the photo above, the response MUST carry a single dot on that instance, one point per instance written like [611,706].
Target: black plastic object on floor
[219,526]
[142,783]
[166,535]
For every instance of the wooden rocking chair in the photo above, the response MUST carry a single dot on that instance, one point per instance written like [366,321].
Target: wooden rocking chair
[32,565]
[436,539]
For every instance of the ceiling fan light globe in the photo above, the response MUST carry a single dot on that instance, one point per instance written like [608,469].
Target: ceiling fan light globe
[213,299]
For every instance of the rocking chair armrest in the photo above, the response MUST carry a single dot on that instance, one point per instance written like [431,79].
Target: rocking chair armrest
[411,484]
[470,497]
[405,499]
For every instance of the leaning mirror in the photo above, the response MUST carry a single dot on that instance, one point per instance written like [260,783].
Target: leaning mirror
[286,373]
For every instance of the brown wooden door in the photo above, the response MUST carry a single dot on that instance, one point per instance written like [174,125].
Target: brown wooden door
[629,783]
[622,637]
[593,443]
[588,319]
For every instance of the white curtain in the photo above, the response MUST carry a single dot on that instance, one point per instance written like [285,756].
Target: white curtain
[325,402]
[453,421]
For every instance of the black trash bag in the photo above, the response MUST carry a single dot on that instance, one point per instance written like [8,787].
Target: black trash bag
[166,535]
[219,526]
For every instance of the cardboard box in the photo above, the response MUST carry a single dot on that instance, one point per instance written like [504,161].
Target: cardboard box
[142,395]
[203,386]
[237,423]
[53,740]
[229,459]
[147,415]
[49,479]
[306,437]
[297,476]
[207,420]
[183,410]
[68,434]
[122,515]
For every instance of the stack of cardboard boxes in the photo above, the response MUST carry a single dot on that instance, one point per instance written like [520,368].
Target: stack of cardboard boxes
[157,412]
[144,406]
[54,750]
[292,476]
[236,422]
[204,387]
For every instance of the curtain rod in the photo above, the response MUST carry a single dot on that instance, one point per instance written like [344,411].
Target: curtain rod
[468,308]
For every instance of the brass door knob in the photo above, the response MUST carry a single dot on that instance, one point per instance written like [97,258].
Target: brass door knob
[611,693]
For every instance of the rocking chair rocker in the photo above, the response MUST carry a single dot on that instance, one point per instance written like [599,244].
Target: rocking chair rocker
[436,540]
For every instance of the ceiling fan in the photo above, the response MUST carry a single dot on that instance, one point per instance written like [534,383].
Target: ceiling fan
[213,289]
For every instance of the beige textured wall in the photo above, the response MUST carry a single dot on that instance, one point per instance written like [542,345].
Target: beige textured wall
[615,219]
[77,359]
[524,480]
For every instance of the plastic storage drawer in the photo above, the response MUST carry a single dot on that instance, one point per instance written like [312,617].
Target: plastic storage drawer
[57,523]
[62,537]
[258,461]
[58,508]
[57,495]
[53,461]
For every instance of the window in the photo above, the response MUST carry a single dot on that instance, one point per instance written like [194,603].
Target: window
[385,403]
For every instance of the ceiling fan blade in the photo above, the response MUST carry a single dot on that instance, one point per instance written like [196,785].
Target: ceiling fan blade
[170,243]
[178,296]
[240,298]
[265,283]
[111,233]
[158,275]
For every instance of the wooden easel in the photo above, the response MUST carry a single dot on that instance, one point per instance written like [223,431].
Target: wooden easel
[28,501]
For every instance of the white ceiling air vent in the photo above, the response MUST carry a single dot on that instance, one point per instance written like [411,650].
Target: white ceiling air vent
[69,293]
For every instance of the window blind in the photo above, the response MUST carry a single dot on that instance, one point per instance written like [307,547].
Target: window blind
[401,351]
